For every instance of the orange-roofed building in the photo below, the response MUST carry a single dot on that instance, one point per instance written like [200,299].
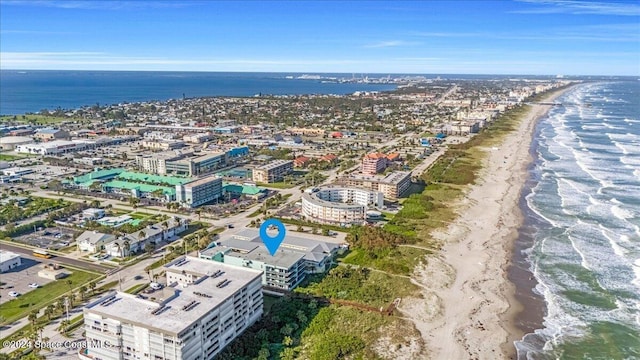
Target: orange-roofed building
[374,163]
[329,158]
[301,161]
[336,135]
[393,157]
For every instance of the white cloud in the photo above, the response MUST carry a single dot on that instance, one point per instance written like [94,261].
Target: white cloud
[581,7]
[393,43]
[98,4]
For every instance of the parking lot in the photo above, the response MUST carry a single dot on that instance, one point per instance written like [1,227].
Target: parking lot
[18,279]
[49,238]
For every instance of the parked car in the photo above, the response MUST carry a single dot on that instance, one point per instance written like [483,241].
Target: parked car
[155,286]
[34,285]
[14,294]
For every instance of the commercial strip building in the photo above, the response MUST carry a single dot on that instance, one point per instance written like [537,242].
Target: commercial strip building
[297,256]
[163,145]
[199,192]
[339,205]
[273,172]
[182,162]
[56,147]
[51,134]
[204,307]
[392,186]
[9,260]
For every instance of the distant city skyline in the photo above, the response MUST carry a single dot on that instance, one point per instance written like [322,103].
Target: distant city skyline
[536,37]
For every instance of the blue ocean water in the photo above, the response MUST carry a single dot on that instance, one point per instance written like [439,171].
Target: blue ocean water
[583,210]
[32,91]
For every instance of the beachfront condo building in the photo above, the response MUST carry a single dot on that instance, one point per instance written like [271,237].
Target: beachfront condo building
[296,257]
[273,172]
[392,186]
[204,306]
[199,192]
[339,205]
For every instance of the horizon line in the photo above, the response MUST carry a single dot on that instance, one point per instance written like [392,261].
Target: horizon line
[328,72]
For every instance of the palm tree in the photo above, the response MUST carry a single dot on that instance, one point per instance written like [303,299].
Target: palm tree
[33,317]
[118,248]
[63,327]
[83,290]
[49,311]
[126,247]
[92,287]
[60,304]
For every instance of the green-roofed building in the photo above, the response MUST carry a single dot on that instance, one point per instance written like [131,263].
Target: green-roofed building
[84,181]
[247,190]
[140,190]
[153,179]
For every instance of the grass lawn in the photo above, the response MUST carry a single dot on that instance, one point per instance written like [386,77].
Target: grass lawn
[35,118]
[38,298]
[136,288]
[7,157]
[277,185]
[140,215]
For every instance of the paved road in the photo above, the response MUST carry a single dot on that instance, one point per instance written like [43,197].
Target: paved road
[60,259]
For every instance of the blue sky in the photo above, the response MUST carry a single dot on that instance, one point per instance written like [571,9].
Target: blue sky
[482,37]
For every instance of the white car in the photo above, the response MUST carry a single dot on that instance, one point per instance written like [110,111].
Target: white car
[155,286]
[14,294]
[34,285]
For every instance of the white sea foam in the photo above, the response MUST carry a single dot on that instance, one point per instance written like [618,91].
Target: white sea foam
[617,249]
[636,272]
[583,258]
[621,213]
[580,164]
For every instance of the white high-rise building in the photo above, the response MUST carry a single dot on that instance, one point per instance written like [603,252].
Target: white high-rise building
[204,306]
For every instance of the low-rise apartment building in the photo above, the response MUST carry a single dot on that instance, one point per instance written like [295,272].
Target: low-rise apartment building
[273,172]
[297,257]
[392,186]
[203,308]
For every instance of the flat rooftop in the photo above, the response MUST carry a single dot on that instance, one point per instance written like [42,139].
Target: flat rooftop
[7,255]
[202,181]
[170,315]
[274,164]
[310,247]
[247,250]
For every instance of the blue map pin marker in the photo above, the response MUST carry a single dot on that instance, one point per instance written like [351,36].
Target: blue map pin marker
[272,242]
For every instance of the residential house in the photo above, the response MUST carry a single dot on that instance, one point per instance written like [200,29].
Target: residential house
[301,161]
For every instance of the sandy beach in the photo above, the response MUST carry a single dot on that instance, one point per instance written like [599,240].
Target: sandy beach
[468,305]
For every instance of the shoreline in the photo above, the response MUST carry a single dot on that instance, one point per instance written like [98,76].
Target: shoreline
[469,306]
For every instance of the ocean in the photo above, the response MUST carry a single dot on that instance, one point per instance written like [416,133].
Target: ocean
[32,91]
[582,225]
